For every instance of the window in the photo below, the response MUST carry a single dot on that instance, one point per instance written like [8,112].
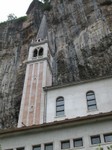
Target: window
[20,148]
[35,52]
[59,106]
[91,101]
[65,144]
[78,142]
[48,146]
[95,139]
[39,40]
[41,51]
[37,147]
[108,137]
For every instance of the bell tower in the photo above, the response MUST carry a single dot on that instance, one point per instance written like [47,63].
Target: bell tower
[38,75]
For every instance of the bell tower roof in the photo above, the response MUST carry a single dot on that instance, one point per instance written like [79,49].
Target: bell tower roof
[42,33]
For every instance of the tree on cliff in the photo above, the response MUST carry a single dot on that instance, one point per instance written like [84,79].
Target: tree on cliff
[47,5]
[45,1]
[11,17]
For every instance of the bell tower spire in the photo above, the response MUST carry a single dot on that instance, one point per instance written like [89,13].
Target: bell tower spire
[42,33]
[38,75]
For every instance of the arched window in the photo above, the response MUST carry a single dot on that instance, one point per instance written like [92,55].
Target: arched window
[59,106]
[39,40]
[41,51]
[91,100]
[35,53]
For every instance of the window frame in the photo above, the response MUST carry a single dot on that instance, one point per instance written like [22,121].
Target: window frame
[39,145]
[107,134]
[62,106]
[19,148]
[95,136]
[89,106]
[76,139]
[33,56]
[41,52]
[39,40]
[65,141]
[46,144]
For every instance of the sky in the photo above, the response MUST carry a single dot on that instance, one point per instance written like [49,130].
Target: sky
[17,7]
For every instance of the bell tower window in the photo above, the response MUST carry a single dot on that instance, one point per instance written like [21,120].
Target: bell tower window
[41,51]
[35,52]
[39,40]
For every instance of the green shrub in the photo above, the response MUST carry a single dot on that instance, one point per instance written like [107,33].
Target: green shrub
[101,148]
[21,19]
[47,6]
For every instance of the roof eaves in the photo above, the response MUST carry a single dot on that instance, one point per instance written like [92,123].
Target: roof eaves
[58,124]
[47,88]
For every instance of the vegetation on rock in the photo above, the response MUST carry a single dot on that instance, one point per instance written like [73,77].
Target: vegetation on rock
[47,6]
[21,19]
[101,148]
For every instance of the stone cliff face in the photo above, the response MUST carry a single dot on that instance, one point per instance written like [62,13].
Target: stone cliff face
[80,33]
[80,38]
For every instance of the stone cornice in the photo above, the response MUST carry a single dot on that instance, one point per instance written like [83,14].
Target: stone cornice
[58,124]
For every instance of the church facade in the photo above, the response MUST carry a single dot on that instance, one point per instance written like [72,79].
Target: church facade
[70,116]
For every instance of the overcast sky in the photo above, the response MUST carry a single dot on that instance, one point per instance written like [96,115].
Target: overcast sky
[17,7]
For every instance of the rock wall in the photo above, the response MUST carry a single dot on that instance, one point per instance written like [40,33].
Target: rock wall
[80,38]
[80,33]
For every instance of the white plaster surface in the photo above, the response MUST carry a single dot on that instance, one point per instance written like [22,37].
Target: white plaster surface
[75,99]
[46,81]
[32,48]
[27,140]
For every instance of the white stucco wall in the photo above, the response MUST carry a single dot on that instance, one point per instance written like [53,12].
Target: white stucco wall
[32,48]
[75,99]
[41,67]
[27,140]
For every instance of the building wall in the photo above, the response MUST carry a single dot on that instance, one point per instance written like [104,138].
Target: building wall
[32,93]
[38,75]
[55,136]
[37,46]
[75,99]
